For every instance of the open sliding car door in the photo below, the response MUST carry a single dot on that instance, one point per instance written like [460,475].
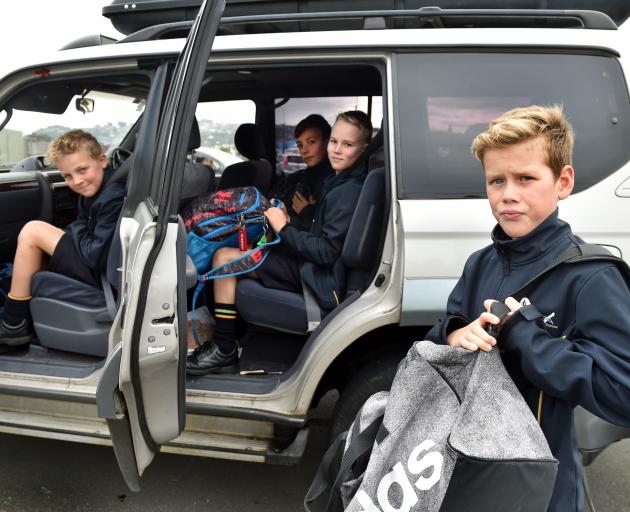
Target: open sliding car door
[141,392]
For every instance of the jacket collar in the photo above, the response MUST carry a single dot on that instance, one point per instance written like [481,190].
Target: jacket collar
[519,251]
[356,172]
[107,174]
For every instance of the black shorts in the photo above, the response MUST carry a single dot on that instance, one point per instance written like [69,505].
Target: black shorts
[66,260]
[280,271]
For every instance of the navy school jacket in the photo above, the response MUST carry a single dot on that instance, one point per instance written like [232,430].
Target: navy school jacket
[572,343]
[319,249]
[93,230]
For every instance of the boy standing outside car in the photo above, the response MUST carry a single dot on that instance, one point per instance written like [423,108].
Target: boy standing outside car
[80,251]
[568,344]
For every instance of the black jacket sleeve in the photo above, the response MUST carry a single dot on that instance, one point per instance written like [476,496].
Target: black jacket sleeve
[304,219]
[324,248]
[591,366]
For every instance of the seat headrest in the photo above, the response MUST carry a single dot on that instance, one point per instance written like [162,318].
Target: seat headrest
[195,137]
[375,144]
[249,141]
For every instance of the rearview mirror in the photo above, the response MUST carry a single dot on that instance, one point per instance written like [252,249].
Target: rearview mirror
[84,105]
[5,116]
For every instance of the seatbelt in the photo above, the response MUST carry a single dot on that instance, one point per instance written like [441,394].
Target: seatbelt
[313,313]
[110,302]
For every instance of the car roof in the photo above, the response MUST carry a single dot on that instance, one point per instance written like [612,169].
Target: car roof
[352,40]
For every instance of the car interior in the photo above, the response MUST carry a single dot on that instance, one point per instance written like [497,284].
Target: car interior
[72,319]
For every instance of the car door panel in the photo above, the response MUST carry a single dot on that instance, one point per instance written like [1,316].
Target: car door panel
[149,400]
[24,196]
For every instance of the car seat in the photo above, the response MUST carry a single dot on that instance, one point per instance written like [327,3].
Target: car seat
[73,316]
[255,171]
[292,312]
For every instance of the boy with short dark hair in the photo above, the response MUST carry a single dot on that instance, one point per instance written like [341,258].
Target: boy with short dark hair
[302,190]
[568,343]
[80,251]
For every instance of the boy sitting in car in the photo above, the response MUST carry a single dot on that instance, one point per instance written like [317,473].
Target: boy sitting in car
[80,251]
[312,257]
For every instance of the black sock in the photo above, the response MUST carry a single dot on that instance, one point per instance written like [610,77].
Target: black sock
[16,310]
[225,327]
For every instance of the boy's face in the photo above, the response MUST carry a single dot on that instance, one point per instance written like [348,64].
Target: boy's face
[83,173]
[312,146]
[344,146]
[521,187]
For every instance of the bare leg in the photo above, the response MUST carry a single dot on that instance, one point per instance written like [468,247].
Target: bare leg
[225,287]
[36,239]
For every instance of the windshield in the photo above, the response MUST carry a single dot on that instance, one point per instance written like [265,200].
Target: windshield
[29,133]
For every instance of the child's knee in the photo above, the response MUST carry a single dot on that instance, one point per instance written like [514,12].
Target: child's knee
[29,231]
[222,256]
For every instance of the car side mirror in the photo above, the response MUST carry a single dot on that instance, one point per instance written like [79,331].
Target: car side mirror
[84,105]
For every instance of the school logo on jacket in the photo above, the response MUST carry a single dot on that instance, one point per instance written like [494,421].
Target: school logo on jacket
[421,461]
[548,321]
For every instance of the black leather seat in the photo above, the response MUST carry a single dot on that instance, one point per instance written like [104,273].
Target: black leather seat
[286,311]
[73,316]
[256,171]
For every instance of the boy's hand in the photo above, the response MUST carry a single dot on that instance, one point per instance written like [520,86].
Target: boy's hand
[300,202]
[474,336]
[277,217]
[513,304]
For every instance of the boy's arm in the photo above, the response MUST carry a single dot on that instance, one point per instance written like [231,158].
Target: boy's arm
[93,246]
[323,249]
[304,219]
[592,367]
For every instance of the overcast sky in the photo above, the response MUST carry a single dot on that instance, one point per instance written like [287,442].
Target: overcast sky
[30,28]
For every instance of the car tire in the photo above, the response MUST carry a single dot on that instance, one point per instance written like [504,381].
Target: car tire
[375,376]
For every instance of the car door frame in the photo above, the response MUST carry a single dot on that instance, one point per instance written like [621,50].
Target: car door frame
[120,397]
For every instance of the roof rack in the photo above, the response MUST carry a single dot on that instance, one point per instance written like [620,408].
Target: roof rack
[425,17]
[89,40]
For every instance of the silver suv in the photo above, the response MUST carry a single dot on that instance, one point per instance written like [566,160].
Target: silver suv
[109,364]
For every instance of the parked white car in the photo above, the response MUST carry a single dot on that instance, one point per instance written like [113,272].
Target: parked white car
[215,158]
[112,371]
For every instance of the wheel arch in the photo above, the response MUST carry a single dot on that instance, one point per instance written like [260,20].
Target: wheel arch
[366,349]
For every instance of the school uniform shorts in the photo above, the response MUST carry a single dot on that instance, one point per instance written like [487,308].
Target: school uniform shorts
[66,260]
[280,271]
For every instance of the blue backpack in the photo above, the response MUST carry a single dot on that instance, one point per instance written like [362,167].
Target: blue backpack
[232,217]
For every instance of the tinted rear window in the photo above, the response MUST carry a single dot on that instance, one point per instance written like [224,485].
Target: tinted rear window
[445,100]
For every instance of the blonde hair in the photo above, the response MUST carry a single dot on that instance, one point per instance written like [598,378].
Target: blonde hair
[360,120]
[521,124]
[72,142]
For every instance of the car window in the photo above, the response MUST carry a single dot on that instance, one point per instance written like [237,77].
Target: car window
[218,121]
[448,99]
[28,133]
[291,112]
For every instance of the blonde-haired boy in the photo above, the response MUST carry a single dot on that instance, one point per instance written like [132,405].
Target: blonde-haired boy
[567,344]
[80,251]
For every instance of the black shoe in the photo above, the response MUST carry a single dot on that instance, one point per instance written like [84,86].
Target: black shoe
[209,359]
[15,336]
